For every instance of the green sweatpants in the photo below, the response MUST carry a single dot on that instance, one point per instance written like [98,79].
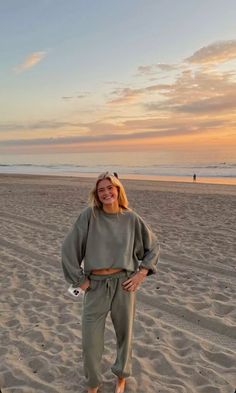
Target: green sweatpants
[107,294]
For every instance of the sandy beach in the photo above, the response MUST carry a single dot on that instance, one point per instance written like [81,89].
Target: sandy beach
[185,327]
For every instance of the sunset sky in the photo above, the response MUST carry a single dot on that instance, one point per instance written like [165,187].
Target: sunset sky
[132,75]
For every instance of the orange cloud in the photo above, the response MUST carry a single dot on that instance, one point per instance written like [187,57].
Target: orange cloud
[218,52]
[198,92]
[30,61]
[128,95]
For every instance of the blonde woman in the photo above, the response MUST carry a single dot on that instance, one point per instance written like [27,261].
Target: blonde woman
[118,251]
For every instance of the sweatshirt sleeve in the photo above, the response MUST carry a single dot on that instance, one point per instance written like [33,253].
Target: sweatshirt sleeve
[73,250]
[147,247]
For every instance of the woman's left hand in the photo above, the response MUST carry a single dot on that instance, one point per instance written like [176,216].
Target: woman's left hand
[134,281]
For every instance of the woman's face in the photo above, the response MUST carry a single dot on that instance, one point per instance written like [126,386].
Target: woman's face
[107,192]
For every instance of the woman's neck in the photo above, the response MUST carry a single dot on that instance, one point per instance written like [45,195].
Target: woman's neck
[114,208]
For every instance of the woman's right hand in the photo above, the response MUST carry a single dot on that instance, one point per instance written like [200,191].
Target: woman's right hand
[85,284]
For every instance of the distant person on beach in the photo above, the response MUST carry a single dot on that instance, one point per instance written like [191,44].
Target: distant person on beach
[194,177]
[118,251]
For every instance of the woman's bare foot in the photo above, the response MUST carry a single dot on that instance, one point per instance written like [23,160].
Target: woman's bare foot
[92,390]
[120,385]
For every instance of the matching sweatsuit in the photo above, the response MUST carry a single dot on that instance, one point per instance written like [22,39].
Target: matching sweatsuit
[100,240]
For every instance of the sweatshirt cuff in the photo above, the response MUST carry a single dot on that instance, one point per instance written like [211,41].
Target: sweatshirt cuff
[151,269]
[80,281]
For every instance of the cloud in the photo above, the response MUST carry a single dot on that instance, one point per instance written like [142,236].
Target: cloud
[145,70]
[173,124]
[30,61]
[197,92]
[83,95]
[128,94]
[218,52]
[154,68]
[78,95]
[67,97]
[151,128]
[166,67]
[210,105]
[93,138]
[193,90]
[40,125]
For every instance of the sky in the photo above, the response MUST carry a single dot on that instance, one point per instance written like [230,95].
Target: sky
[111,76]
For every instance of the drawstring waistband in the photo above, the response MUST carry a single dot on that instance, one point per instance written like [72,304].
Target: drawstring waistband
[108,280]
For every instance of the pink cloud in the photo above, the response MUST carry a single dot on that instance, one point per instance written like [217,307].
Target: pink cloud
[30,61]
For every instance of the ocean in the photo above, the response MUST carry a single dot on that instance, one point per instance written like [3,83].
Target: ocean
[131,165]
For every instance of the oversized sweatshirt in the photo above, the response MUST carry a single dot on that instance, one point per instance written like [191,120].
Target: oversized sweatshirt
[100,240]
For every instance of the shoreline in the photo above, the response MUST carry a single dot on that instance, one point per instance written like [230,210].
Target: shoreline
[138,177]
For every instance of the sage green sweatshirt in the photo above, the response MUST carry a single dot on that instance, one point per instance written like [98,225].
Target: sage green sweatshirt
[103,240]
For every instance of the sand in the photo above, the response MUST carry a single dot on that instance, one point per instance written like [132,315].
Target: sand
[185,327]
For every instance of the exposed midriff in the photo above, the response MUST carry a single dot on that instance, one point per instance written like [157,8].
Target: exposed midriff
[106,271]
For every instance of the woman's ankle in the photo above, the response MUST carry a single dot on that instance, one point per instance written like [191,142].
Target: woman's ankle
[93,390]
[120,385]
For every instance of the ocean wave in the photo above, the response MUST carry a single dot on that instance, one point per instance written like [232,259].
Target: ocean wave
[201,170]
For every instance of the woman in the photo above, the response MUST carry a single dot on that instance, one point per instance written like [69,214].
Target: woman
[118,251]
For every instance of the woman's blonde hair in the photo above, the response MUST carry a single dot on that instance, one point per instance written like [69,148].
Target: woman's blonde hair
[122,198]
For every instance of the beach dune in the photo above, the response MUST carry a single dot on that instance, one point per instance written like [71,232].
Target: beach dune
[185,327]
